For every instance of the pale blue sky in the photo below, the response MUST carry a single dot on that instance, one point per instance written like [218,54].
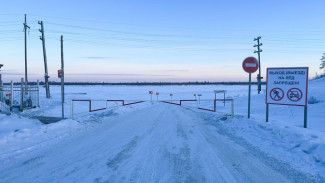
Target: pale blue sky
[117,41]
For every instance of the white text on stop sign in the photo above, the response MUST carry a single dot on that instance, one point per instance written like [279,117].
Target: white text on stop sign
[250,65]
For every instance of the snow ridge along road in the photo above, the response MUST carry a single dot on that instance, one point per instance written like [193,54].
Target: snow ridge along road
[157,143]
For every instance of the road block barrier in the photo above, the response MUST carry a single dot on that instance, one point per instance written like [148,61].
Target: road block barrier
[90,108]
[181,103]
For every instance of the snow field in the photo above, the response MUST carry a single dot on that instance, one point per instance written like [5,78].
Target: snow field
[184,142]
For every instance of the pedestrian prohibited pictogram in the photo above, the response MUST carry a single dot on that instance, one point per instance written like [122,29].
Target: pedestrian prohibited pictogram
[294,94]
[276,94]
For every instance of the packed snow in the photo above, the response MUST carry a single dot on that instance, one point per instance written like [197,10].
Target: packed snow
[159,142]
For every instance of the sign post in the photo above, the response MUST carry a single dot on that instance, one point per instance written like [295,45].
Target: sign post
[171,97]
[224,95]
[287,86]
[250,65]
[150,93]
[157,93]
[199,97]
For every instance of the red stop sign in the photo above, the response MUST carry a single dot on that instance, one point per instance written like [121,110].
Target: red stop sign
[250,64]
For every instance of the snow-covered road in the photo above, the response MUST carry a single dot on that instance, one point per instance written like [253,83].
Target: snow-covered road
[156,143]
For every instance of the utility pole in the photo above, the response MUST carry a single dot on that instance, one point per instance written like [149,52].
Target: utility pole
[259,77]
[62,78]
[25,31]
[47,86]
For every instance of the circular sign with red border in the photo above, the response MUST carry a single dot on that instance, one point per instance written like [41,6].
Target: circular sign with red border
[276,94]
[250,64]
[294,94]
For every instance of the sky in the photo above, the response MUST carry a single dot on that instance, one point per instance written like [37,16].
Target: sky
[154,41]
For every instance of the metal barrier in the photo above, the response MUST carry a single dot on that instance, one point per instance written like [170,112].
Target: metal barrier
[201,108]
[99,109]
[22,97]
[4,108]
[123,103]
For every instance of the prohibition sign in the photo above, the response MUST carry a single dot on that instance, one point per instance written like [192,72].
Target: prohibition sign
[276,94]
[294,94]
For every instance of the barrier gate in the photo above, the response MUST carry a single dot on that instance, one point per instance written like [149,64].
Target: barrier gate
[109,104]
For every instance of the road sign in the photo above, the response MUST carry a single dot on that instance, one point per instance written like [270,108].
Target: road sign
[150,92]
[157,93]
[287,86]
[199,95]
[171,94]
[250,64]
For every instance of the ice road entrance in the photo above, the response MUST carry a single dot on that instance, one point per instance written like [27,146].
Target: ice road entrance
[155,143]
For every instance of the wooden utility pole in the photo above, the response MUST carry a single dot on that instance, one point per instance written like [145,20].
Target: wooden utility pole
[62,78]
[259,77]
[47,86]
[25,31]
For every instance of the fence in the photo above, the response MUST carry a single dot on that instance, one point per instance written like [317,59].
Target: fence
[22,97]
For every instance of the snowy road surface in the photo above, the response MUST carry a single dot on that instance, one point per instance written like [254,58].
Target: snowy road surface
[157,143]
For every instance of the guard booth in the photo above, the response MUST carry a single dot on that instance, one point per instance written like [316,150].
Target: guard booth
[18,96]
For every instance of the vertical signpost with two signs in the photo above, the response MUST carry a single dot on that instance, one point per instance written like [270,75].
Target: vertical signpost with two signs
[287,86]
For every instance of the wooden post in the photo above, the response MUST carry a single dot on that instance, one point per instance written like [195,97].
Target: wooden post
[62,78]
[47,86]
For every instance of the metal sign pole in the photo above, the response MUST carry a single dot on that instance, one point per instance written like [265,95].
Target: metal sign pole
[305,117]
[11,95]
[250,65]
[249,95]
[267,112]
